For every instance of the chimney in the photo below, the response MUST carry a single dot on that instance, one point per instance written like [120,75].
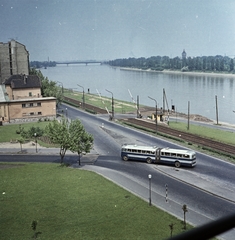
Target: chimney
[25,79]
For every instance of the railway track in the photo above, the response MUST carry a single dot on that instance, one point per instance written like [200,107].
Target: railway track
[205,143]
[202,142]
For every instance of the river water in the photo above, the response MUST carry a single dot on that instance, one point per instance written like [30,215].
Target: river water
[196,93]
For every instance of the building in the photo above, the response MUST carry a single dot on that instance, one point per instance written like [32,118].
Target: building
[14,59]
[20,93]
[184,55]
[21,100]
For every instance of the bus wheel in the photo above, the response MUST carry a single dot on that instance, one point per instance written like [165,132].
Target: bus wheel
[149,160]
[177,164]
[125,158]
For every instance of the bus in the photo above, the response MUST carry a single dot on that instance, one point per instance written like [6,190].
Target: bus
[153,154]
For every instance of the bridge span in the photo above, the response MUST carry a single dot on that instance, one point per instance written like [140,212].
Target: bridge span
[80,62]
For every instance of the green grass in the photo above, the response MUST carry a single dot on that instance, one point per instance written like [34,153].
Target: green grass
[70,203]
[212,133]
[102,102]
[8,132]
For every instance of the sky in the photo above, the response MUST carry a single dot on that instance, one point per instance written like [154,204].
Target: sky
[62,30]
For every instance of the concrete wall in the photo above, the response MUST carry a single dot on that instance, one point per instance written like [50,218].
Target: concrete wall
[14,59]
[34,109]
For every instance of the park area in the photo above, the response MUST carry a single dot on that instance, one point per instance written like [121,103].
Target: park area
[68,203]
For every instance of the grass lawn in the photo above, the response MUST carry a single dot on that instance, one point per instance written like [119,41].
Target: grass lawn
[212,133]
[102,102]
[71,203]
[8,132]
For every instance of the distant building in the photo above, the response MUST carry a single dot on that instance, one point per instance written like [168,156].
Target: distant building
[14,59]
[184,54]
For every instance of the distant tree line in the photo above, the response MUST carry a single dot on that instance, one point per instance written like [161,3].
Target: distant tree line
[45,64]
[216,63]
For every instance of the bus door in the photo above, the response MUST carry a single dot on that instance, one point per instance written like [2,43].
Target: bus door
[158,155]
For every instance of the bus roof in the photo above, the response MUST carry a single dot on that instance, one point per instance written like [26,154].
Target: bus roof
[133,146]
[175,150]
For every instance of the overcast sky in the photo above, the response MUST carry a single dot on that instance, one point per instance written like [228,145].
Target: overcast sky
[111,29]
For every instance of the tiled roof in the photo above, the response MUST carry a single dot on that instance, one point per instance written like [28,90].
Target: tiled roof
[23,81]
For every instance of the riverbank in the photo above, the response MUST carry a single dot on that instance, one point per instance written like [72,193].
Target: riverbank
[211,74]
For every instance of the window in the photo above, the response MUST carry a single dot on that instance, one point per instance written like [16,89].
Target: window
[39,104]
[30,94]
[32,113]
[39,113]
[23,105]
[31,104]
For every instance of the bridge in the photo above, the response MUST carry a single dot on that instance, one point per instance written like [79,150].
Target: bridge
[80,62]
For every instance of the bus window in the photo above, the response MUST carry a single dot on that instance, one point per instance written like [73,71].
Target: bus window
[167,154]
[173,154]
[139,151]
[179,155]
[186,156]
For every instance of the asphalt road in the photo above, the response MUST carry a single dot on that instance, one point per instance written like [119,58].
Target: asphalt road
[208,190]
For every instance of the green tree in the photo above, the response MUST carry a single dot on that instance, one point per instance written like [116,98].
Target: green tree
[231,65]
[58,132]
[21,141]
[80,140]
[49,88]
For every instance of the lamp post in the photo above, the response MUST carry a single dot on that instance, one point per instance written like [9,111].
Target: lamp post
[156,110]
[112,104]
[150,176]
[62,86]
[35,135]
[83,96]
[66,112]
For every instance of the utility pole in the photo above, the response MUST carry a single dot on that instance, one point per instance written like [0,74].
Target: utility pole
[188,113]
[156,110]
[216,104]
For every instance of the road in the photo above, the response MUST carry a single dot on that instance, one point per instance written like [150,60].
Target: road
[208,190]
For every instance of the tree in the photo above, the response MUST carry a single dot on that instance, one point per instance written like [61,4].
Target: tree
[80,140]
[231,65]
[70,136]
[21,141]
[49,88]
[58,132]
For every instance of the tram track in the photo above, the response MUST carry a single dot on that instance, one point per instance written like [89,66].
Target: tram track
[202,142]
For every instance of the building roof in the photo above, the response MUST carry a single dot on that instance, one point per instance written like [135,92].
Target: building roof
[23,81]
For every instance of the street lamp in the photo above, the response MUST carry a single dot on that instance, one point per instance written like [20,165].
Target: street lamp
[66,112]
[112,104]
[156,110]
[83,96]
[35,135]
[62,86]
[150,176]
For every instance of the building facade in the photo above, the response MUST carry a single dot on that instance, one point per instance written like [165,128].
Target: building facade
[14,59]
[21,100]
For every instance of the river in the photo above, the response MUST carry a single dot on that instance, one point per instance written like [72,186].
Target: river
[196,91]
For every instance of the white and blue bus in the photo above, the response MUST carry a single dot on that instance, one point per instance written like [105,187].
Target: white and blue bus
[176,157]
